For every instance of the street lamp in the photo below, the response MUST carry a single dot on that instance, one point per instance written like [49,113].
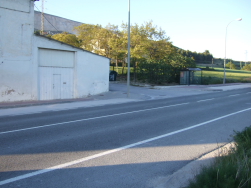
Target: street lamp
[128,55]
[224,78]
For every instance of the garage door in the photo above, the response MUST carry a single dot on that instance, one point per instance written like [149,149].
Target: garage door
[55,74]
[56,58]
[56,83]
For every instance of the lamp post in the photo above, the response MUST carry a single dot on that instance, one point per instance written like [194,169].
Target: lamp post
[128,55]
[224,78]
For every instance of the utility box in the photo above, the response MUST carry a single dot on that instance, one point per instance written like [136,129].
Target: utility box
[113,76]
[191,76]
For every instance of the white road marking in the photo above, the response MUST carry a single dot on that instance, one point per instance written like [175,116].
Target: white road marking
[234,95]
[114,150]
[206,100]
[248,92]
[87,119]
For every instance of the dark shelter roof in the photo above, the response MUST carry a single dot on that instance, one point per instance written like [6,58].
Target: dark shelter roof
[194,69]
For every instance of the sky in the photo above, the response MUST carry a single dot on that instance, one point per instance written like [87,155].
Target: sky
[195,25]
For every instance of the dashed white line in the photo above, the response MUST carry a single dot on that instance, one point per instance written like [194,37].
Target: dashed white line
[206,100]
[113,150]
[234,95]
[93,118]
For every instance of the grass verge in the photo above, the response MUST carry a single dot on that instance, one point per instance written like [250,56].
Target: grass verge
[209,76]
[215,76]
[231,169]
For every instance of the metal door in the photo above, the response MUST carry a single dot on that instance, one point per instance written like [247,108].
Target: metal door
[48,83]
[56,86]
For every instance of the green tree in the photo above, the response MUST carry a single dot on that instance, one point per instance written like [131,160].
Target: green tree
[231,65]
[207,55]
[67,38]
[103,41]
[148,42]
[87,35]
[247,67]
[180,61]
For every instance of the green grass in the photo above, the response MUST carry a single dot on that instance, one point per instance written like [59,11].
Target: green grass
[231,169]
[215,76]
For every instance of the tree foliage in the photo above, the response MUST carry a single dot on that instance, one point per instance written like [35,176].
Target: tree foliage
[149,46]
[231,65]
[147,41]
[204,57]
[67,38]
[247,67]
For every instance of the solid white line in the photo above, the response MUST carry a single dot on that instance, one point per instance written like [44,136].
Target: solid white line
[99,117]
[114,150]
[206,100]
[234,95]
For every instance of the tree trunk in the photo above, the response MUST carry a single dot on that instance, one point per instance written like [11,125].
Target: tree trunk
[123,67]
[117,65]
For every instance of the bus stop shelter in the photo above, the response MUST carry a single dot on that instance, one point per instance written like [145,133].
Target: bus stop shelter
[190,76]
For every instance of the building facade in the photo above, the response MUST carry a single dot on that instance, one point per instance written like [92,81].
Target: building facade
[38,68]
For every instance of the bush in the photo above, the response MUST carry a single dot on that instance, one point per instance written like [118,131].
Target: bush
[247,67]
[211,80]
[157,73]
[243,139]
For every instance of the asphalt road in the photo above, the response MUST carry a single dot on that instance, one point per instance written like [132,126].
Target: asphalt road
[134,144]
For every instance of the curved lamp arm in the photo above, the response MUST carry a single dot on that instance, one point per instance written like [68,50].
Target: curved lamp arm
[224,78]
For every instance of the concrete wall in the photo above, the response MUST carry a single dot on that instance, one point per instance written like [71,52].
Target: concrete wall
[16,31]
[60,24]
[93,74]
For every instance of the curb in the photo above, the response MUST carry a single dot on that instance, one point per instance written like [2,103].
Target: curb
[212,90]
[39,103]
[182,177]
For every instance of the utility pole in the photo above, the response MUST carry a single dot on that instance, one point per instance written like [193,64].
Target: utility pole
[42,19]
[129,47]
[246,53]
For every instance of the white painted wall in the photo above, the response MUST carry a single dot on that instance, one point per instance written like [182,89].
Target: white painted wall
[93,74]
[19,57]
[16,31]
[91,71]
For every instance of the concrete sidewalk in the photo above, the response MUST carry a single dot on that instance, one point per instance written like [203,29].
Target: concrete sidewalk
[118,94]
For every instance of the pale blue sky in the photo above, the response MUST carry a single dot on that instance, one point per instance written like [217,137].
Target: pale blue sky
[195,25]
